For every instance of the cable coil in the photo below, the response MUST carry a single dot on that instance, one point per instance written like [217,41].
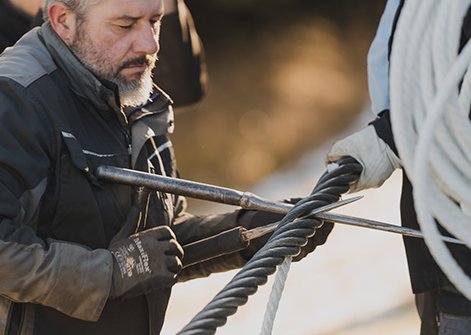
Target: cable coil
[430,116]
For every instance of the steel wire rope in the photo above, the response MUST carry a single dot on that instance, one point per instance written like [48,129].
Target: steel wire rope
[286,241]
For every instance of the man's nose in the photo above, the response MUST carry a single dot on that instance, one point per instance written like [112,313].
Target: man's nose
[147,42]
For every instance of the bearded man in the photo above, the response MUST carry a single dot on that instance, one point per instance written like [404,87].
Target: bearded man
[79,255]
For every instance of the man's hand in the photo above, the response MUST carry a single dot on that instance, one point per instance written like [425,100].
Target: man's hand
[145,261]
[320,237]
[376,158]
[320,232]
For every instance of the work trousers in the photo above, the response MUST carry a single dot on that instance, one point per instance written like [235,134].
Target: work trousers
[436,322]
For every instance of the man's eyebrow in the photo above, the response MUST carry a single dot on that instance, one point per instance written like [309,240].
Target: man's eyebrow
[135,18]
[128,17]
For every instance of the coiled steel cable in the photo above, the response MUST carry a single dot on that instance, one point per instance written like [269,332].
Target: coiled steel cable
[291,234]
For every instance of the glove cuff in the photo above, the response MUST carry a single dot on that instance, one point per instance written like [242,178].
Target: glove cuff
[374,155]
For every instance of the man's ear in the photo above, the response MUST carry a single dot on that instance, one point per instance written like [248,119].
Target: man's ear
[63,21]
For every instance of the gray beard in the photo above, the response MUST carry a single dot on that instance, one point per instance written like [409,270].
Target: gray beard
[132,92]
[136,92]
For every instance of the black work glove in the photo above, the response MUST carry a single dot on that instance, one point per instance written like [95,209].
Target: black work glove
[144,262]
[319,238]
[322,231]
[260,218]
[257,219]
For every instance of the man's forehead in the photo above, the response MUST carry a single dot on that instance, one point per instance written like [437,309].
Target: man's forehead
[132,8]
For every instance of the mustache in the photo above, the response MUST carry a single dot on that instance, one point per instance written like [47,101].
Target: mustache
[142,60]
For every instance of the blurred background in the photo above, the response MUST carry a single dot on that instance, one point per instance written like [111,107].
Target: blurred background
[284,75]
[287,78]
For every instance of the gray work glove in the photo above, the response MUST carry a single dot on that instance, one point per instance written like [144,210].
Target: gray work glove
[144,262]
[375,156]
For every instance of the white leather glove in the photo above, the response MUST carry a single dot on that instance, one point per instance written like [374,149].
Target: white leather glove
[374,155]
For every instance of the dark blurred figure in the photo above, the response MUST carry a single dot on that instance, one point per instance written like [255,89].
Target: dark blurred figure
[15,19]
[181,69]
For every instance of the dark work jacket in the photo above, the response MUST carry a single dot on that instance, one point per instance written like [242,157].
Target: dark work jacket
[58,123]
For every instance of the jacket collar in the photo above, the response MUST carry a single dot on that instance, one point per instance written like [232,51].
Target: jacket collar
[82,81]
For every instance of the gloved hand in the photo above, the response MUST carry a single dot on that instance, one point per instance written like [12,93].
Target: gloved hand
[255,219]
[320,234]
[261,218]
[145,261]
[320,237]
[374,155]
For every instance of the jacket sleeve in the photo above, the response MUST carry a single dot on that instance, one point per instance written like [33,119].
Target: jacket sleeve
[378,57]
[68,277]
[383,128]
[189,228]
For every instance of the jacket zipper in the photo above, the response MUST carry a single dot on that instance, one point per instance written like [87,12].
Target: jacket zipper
[127,137]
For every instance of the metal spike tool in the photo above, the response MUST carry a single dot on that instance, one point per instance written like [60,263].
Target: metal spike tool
[245,200]
[263,230]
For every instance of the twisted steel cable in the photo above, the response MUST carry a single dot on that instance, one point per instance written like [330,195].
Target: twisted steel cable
[291,234]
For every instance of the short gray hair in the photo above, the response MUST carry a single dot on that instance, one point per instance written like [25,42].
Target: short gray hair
[77,6]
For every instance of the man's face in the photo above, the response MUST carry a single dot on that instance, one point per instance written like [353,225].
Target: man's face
[118,41]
